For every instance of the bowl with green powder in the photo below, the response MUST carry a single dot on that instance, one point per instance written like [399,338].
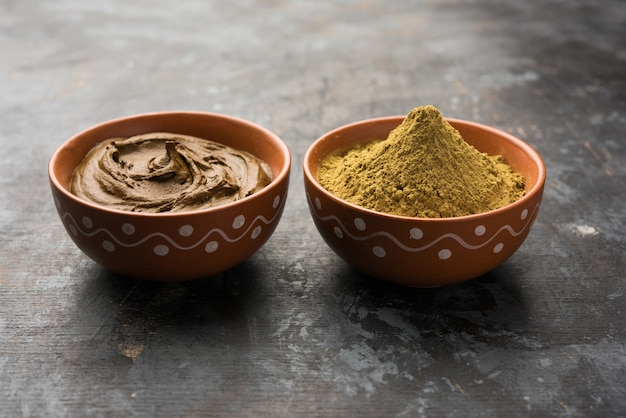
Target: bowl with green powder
[423,200]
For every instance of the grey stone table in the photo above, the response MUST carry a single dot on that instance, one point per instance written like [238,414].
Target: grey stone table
[293,331]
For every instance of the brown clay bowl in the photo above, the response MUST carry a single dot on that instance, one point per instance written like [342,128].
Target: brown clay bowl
[423,252]
[173,246]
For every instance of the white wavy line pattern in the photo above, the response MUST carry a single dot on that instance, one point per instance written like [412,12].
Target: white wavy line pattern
[399,244]
[170,240]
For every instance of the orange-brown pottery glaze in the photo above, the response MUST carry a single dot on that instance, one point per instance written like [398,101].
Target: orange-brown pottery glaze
[423,252]
[173,246]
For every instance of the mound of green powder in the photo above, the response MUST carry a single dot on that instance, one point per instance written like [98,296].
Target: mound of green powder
[423,169]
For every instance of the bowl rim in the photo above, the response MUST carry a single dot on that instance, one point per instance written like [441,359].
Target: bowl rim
[276,182]
[526,148]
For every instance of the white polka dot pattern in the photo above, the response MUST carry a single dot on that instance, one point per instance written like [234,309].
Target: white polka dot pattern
[212,239]
[417,235]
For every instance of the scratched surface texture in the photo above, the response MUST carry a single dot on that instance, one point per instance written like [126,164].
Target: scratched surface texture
[293,331]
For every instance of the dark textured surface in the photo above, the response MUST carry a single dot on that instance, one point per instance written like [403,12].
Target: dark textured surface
[293,330]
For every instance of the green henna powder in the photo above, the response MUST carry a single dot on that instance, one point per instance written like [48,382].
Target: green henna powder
[423,169]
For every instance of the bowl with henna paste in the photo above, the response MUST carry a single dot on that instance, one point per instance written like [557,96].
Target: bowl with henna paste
[429,245]
[170,196]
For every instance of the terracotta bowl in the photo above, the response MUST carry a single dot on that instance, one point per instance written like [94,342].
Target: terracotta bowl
[173,246]
[423,252]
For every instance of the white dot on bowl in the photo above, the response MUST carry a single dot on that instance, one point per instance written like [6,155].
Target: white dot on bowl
[445,254]
[239,221]
[318,203]
[416,233]
[185,230]
[338,232]
[73,230]
[498,247]
[161,250]
[128,229]
[57,203]
[276,202]
[87,221]
[524,214]
[256,232]
[379,251]
[108,245]
[480,230]
[211,246]
[360,224]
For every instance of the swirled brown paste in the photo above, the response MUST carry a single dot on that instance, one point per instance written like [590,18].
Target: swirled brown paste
[165,172]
